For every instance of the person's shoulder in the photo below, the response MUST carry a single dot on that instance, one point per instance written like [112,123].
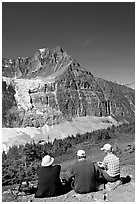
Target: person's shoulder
[89,162]
[57,166]
[41,170]
[74,165]
[116,156]
[107,157]
[85,163]
[112,156]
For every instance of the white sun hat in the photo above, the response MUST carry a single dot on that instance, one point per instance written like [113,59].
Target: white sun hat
[81,153]
[47,161]
[106,147]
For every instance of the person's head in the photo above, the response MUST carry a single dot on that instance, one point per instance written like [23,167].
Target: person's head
[47,161]
[107,148]
[81,154]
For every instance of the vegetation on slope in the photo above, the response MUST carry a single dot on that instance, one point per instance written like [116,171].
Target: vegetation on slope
[24,160]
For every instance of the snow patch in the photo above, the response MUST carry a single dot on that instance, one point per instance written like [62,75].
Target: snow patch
[11,136]
[42,50]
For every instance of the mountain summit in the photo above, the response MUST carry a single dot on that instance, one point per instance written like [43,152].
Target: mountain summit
[51,87]
[44,63]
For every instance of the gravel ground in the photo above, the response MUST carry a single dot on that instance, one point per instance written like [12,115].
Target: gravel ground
[122,193]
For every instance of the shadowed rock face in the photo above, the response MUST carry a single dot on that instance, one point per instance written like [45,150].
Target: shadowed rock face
[51,87]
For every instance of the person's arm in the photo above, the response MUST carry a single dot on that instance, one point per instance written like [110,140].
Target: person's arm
[100,164]
[104,163]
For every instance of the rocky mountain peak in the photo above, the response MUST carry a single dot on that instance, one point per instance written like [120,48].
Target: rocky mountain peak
[51,87]
[43,63]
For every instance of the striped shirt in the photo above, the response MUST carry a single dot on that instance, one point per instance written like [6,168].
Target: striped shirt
[111,164]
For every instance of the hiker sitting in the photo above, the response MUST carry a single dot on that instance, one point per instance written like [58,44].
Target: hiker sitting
[49,183]
[82,174]
[109,169]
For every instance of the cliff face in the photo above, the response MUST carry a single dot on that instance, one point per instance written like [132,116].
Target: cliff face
[51,87]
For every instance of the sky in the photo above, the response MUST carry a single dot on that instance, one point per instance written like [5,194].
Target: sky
[100,36]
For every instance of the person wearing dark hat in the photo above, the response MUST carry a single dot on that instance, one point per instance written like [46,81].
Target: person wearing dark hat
[109,169]
[49,183]
[82,174]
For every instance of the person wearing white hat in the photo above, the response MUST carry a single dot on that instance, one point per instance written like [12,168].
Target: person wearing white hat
[47,161]
[107,147]
[49,183]
[82,174]
[109,169]
[81,154]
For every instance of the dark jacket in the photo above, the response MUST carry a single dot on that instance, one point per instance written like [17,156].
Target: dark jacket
[49,183]
[84,176]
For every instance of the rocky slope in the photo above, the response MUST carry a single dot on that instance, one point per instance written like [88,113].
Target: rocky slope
[51,87]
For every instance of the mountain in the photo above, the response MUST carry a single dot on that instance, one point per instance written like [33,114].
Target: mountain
[51,87]
[131,85]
